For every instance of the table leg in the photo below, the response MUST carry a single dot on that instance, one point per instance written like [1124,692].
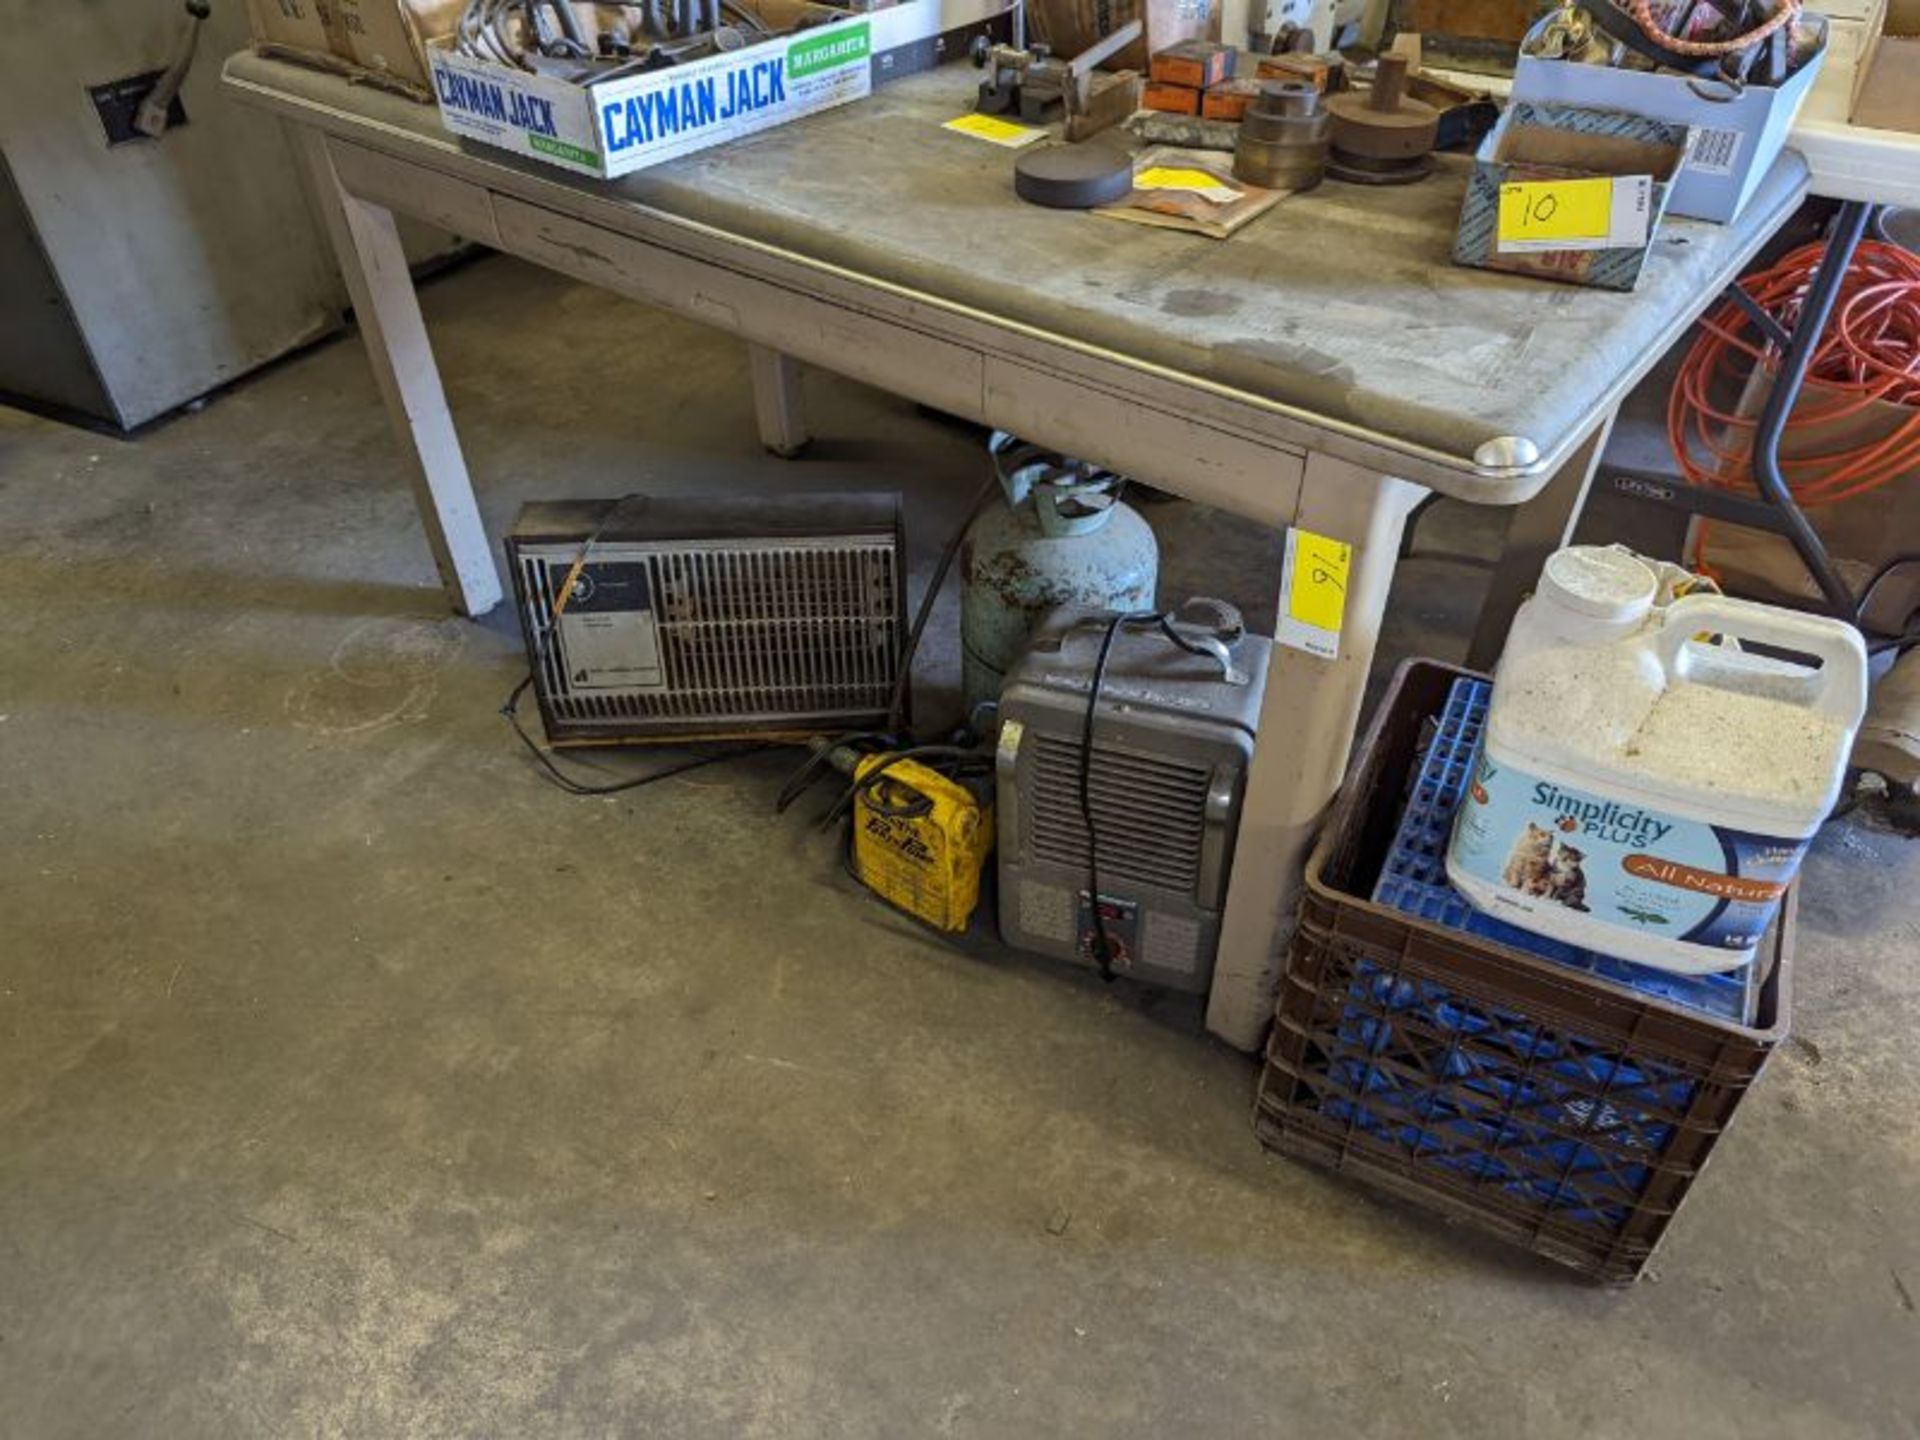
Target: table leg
[778,406]
[388,313]
[1307,720]
[1849,228]
[1534,531]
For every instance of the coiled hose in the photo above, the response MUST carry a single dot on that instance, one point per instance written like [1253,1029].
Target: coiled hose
[1869,354]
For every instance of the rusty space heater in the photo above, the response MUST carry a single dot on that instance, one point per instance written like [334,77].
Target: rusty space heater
[711,617]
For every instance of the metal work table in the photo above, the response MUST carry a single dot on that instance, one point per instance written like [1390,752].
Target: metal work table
[1322,368]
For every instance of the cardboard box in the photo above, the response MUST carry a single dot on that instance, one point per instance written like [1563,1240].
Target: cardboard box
[1170,99]
[1196,63]
[289,25]
[1736,136]
[1886,90]
[1229,99]
[621,125]
[384,42]
[1548,143]
[1505,21]
[389,37]
[617,126]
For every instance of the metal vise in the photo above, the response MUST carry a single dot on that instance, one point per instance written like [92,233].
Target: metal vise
[1036,85]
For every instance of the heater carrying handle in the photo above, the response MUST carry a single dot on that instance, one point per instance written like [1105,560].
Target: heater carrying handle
[1217,639]
[1224,620]
[1211,638]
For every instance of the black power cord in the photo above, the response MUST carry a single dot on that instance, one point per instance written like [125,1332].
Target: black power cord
[897,705]
[1229,621]
[1905,640]
[1102,940]
[895,737]
[573,786]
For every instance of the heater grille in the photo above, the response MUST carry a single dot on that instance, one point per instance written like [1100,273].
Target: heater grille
[668,637]
[1149,812]
[1172,742]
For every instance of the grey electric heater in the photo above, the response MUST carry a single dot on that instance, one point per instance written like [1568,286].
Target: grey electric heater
[711,616]
[1173,731]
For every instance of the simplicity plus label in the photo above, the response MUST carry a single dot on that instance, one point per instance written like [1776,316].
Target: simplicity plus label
[1544,846]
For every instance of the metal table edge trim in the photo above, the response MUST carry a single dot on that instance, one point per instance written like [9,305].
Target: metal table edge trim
[1455,466]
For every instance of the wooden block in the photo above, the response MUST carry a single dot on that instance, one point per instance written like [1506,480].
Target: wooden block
[1174,99]
[1310,68]
[1196,64]
[1228,100]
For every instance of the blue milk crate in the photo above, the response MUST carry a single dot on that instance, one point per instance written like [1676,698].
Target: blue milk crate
[1492,1097]
[1414,878]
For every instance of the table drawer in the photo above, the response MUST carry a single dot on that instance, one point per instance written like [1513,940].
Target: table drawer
[1149,442]
[880,352]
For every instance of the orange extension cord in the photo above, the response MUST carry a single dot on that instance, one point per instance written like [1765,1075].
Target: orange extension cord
[1642,13]
[1870,352]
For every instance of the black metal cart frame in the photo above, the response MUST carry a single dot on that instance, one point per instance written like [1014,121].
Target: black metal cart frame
[1776,510]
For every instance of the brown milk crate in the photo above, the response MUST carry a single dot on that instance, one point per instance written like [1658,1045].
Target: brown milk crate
[1544,1105]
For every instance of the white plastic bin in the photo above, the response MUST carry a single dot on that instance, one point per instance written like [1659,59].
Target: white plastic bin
[1735,139]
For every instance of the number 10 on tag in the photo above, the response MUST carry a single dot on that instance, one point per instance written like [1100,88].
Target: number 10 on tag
[1594,213]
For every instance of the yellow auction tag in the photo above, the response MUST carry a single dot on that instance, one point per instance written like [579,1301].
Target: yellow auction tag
[1165,177]
[1556,209]
[1319,593]
[1313,583]
[993,128]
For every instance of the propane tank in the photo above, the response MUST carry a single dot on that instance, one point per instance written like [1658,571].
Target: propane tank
[1064,537]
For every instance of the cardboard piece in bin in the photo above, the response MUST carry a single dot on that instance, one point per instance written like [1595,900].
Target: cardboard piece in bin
[1886,87]
[1569,194]
[1737,134]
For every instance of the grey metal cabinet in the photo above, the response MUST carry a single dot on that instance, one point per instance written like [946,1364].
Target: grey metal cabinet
[135,277]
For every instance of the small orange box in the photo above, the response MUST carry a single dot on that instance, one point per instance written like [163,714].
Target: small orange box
[1229,99]
[1196,64]
[1310,68]
[1174,99]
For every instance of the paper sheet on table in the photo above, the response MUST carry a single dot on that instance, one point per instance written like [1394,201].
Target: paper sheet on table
[1173,197]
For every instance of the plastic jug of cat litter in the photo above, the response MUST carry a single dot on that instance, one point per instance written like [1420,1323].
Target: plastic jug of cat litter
[1644,791]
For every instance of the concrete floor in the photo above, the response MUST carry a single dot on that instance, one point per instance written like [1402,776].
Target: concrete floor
[355,1082]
